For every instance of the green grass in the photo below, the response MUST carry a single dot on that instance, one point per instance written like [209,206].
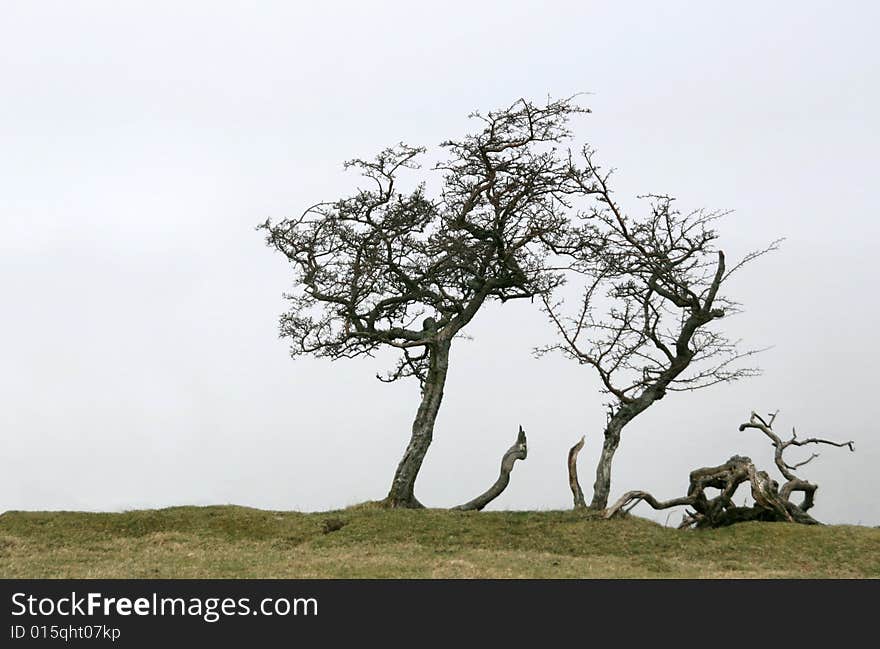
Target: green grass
[241,542]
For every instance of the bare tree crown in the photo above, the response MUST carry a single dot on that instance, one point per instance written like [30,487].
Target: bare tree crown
[392,267]
[660,276]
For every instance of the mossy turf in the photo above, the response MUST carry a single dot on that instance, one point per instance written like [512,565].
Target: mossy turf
[367,541]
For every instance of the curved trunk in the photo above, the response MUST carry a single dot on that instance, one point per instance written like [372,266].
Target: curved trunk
[573,482]
[518,451]
[602,486]
[401,493]
[624,415]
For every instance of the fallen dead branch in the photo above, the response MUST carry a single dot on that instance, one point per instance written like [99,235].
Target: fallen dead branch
[576,491]
[518,451]
[771,503]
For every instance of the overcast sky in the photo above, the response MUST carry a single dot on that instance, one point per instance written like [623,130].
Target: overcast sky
[141,142]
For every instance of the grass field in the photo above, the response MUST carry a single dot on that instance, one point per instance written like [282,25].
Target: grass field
[232,541]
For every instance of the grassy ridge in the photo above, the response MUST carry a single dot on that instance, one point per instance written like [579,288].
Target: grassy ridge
[232,541]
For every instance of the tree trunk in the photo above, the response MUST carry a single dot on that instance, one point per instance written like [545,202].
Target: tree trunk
[401,493]
[573,482]
[518,451]
[602,486]
[621,417]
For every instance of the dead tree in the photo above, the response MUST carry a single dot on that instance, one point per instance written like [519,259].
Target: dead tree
[658,279]
[793,483]
[518,451]
[403,270]
[573,482]
[771,503]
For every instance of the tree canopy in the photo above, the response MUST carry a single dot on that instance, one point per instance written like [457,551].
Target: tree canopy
[399,268]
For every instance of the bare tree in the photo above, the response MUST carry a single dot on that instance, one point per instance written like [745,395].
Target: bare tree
[771,503]
[403,270]
[661,277]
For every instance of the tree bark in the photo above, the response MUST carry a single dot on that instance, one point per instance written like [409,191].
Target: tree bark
[401,493]
[720,511]
[794,483]
[602,485]
[621,417]
[518,451]
[573,482]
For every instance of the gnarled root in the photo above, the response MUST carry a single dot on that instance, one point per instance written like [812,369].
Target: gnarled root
[771,502]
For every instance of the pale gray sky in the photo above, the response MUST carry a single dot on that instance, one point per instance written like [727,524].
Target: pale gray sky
[140,143]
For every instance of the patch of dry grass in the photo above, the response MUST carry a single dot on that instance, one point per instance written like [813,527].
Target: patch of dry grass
[377,543]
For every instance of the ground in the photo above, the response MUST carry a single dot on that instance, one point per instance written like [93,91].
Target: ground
[365,541]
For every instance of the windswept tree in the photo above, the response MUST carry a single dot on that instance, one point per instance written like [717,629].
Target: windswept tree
[647,320]
[387,267]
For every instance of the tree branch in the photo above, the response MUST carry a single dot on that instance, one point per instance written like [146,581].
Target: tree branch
[518,451]
[771,503]
[576,491]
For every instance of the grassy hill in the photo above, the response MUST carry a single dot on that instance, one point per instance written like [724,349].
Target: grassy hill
[241,542]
